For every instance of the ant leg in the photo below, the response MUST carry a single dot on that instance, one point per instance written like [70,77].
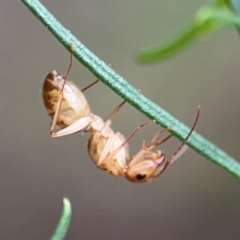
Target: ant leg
[113,153]
[90,85]
[54,121]
[70,64]
[112,139]
[183,143]
[154,142]
[115,110]
[107,120]
[140,155]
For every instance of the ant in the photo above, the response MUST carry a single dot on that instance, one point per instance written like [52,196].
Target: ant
[67,106]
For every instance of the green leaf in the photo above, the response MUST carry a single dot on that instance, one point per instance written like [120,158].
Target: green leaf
[207,20]
[64,222]
[218,15]
[188,35]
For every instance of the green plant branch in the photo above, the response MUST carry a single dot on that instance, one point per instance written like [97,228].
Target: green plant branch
[207,19]
[120,86]
[64,222]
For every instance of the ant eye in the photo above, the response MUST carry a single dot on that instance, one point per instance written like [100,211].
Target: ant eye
[140,176]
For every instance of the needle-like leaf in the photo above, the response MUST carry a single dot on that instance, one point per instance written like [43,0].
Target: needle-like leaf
[64,222]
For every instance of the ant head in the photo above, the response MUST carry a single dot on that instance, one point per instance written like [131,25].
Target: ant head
[145,170]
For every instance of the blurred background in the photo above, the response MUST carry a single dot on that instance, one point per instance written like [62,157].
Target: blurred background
[194,199]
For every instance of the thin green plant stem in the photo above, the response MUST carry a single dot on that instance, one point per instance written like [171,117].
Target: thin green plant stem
[64,222]
[120,86]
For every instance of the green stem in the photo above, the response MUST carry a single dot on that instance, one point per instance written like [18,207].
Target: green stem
[119,85]
[64,222]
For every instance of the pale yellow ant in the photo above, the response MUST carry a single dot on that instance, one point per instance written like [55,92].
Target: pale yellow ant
[70,111]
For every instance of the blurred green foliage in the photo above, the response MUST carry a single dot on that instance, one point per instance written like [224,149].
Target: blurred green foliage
[207,19]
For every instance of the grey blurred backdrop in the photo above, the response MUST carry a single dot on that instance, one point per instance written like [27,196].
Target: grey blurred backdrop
[194,199]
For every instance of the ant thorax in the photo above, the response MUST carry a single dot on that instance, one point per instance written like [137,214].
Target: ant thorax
[102,144]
